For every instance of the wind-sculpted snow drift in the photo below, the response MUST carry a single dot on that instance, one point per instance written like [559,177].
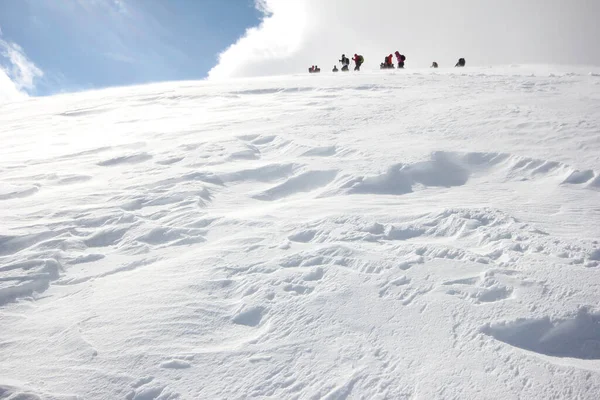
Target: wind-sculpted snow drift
[383,235]
[578,337]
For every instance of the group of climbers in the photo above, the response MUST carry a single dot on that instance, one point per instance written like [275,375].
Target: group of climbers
[388,63]
[345,61]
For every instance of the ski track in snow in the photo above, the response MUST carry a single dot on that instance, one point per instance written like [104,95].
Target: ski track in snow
[396,235]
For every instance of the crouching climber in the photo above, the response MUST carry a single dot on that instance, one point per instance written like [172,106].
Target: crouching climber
[388,62]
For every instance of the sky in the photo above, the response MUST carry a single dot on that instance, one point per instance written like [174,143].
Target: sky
[84,44]
[70,45]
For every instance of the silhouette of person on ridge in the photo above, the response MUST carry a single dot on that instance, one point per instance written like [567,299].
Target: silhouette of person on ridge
[400,58]
[358,60]
[345,62]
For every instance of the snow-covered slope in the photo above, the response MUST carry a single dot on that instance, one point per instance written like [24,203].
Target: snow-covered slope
[383,235]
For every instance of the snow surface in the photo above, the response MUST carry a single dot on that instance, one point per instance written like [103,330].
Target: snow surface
[384,235]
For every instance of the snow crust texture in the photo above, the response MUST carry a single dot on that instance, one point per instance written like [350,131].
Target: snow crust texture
[384,235]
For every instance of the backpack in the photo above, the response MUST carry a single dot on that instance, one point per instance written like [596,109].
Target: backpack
[402,57]
[361,59]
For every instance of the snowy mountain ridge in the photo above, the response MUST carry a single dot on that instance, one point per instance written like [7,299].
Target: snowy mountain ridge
[385,235]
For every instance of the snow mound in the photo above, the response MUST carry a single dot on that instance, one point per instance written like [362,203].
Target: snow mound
[305,182]
[399,179]
[14,192]
[175,364]
[578,337]
[16,391]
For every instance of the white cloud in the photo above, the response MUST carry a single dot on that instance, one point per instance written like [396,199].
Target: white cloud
[280,35]
[17,72]
[296,34]
[8,90]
